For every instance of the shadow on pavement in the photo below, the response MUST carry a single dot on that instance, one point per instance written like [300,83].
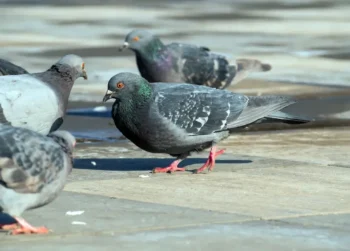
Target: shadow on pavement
[141,164]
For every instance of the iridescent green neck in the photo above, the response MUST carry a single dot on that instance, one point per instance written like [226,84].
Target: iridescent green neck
[152,49]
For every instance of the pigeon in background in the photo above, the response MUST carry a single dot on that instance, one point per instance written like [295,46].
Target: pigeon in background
[33,170]
[39,101]
[179,119]
[8,68]
[185,63]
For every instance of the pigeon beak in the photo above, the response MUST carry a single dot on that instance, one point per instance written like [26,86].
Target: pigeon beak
[107,96]
[84,75]
[124,46]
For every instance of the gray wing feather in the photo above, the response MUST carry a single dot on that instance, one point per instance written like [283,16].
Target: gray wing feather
[198,110]
[259,107]
[25,168]
[200,66]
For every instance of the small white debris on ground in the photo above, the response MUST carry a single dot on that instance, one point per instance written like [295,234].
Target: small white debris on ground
[143,176]
[93,163]
[74,213]
[78,223]
[100,109]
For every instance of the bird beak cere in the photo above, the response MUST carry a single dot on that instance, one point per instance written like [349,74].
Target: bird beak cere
[84,75]
[107,96]
[124,46]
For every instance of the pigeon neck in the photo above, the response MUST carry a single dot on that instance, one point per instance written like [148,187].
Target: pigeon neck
[137,100]
[62,80]
[152,49]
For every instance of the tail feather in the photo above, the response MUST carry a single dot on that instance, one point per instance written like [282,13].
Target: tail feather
[282,117]
[244,66]
[252,65]
[260,107]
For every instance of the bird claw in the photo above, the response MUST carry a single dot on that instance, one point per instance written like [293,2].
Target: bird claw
[33,230]
[210,163]
[169,169]
[9,227]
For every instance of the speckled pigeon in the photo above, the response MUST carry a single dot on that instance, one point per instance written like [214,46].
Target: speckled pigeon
[185,63]
[179,118]
[33,170]
[8,68]
[39,101]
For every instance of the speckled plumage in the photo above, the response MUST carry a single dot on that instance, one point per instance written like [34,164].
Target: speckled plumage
[33,167]
[185,63]
[181,118]
[39,101]
[8,68]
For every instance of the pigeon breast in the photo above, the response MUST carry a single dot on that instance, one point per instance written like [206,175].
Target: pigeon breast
[28,102]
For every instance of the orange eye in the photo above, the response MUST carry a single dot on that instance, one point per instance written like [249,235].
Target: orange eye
[120,85]
[83,66]
[136,39]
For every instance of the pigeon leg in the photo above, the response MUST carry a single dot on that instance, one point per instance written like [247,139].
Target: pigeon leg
[172,168]
[211,160]
[26,228]
[8,227]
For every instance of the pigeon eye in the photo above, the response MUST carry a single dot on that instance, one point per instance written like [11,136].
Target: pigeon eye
[136,39]
[120,85]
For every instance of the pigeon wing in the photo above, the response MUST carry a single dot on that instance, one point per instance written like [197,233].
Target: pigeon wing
[199,110]
[24,168]
[200,66]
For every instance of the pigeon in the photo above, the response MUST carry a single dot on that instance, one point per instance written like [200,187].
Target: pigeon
[185,63]
[181,118]
[39,101]
[33,170]
[8,68]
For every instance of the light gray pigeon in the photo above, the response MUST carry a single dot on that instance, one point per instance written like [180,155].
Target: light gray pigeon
[8,68]
[178,119]
[33,170]
[39,101]
[185,63]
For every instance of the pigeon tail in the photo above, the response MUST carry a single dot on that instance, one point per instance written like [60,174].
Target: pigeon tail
[242,68]
[282,117]
[261,107]
[252,65]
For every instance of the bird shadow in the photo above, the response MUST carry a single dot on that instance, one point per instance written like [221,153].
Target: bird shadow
[140,164]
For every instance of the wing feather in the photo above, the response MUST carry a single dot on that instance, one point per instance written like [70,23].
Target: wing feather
[198,110]
[25,168]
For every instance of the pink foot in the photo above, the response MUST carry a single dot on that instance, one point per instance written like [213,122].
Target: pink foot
[8,227]
[211,160]
[172,168]
[26,228]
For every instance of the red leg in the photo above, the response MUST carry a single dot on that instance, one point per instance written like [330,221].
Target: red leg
[211,160]
[172,168]
[8,227]
[26,228]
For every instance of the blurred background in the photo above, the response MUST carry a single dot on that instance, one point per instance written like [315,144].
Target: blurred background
[305,41]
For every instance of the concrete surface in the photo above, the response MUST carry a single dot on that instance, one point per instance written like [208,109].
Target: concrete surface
[270,191]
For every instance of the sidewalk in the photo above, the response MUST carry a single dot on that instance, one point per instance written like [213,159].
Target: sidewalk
[271,192]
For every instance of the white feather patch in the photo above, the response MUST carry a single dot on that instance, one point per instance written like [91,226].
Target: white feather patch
[27,102]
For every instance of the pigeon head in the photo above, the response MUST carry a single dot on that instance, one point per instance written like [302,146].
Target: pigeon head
[74,62]
[138,40]
[127,86]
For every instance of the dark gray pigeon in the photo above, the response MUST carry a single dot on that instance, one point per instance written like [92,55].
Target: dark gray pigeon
[8,68]
[179,119]
[39,101]
[33,170]
[185,63]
